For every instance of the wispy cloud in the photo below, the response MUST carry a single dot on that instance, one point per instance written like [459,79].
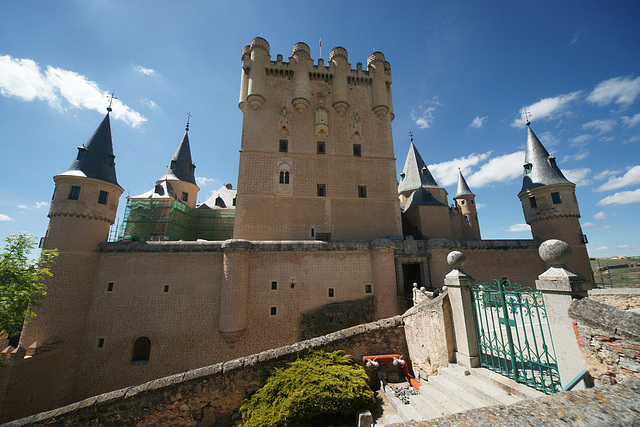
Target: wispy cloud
[589,224]
[203,182]
[631,121]
[423,115]
[37,205]
[580,155]
[446,173]
[145,71]
[621,198]
[149,103]
[4,217]
[501,168]
[580,140]
[621,90]
[631,177]
[23,79]
[547,108]
[578,176]
[600,216]
[600,125]
[518,228]
[605,173]
[576,36]
[478,122]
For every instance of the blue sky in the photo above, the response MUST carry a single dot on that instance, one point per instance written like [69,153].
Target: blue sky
[462,72]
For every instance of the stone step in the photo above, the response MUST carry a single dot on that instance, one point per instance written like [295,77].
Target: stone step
[456,393]
[440,400]
[391,419]
[406,412]
[426,409]
[483,390]
[504,383]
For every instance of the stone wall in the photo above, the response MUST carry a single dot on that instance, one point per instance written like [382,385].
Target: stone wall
[336,316]
[212,394]
[609,339]
[622,298]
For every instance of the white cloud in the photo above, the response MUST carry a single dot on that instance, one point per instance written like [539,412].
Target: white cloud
[621,198]
[423,116]
[600,125]
[632,139]
[631,121]
[600,216]
[605,173]
[4,217]
[578,176]
[37,205]
[446,173]
[549,139]
[580,155]
[501,168]
[620,90]
[580,140]
[602,248]
[632,177]
[203,182]
[23,79]
[624,246]
[23,207]
[478,122]
[149,103]
[574,40]
[589,224]
[547,108]
[517,228]
[145,71]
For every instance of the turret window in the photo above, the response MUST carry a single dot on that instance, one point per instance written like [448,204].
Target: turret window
[103,197]
[473,202]
[82,151]
[173,164]
[185,196]
[462,202]
[74,193]
[527,168]
[552,162]
[532,201]
[110,160]
[555,198]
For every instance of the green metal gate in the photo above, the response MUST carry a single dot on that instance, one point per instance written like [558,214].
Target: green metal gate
[513,334]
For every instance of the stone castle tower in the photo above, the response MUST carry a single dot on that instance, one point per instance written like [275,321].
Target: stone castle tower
[550,205]
[466,204]
[317,159]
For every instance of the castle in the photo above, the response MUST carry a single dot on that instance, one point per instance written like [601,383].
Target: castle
[321,235]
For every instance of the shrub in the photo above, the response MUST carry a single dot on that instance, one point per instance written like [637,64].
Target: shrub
[316,384]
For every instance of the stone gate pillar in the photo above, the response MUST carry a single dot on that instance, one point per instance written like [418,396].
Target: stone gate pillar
[458,283]
[560,286]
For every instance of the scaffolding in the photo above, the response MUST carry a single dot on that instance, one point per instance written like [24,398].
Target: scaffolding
[169,219]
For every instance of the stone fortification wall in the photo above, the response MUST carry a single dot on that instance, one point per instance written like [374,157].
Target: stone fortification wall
[213,393]
[622,298]
[609,339]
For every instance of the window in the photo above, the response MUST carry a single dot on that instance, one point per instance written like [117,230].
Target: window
[527,168]
[82,151]
[462,202]
[362,191]
[357,150]
[274,286]
[100,342]
[321,148]
[552,162]
[473,202]
[322,190]
[367,289]
[110,159]
[74,193]
[110,287]
[466,218]
[533,202]
[141,350]
[173,164]
[284,146]
[274,311]
[185,196]
[331,293]
[429,197]
[313,232]
[220,202]
[555,197]
[234,201]
[103,197]
[165,289]
[284,177]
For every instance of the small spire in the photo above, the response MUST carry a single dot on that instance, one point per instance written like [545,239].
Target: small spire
[188,119]
[411,136]
[111,98]
[526,114]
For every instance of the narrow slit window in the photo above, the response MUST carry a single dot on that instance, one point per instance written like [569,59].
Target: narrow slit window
[100,342]
[331,293]
[321,148]
[322,190]
[185,196]
[362,191]
[284,146]
[274,311]
[165,289]
[367,289]
[357,150]
[533,202]
[274,285]
[110,287]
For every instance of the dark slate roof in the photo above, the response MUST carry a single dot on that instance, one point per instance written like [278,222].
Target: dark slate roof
[544,170]
[181,167]
[463,188]
[95,158]
[421,197]
[415,173]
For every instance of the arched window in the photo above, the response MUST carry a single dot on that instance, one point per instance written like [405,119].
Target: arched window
[284,177]
[141,350]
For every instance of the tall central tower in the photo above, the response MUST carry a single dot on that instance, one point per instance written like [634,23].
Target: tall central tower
[317,159]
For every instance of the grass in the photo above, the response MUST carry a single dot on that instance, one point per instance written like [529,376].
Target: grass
[626,277]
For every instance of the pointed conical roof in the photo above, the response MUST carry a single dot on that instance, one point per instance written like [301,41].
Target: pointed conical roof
[463,188]
[415,173]
[95,158]
[421,197]
[181,167]
[540,167]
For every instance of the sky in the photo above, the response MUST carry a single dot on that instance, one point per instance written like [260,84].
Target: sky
[462,72]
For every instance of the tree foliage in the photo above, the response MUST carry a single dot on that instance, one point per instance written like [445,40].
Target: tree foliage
[21,278]
[316,384]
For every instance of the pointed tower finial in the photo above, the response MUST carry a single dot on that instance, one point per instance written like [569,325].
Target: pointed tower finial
[527,115]
[411,136]
[111,98]
[188,119]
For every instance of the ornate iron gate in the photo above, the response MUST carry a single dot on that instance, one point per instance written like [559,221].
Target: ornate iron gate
[513,334]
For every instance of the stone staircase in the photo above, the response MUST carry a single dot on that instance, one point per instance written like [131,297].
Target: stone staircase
[457,389]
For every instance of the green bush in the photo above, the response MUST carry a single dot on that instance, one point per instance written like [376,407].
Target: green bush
[316,384]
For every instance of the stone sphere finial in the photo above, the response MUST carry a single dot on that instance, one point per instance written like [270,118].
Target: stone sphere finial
[555,252]
[456,259]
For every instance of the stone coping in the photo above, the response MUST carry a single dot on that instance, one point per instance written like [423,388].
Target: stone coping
[606,318]
[615,291]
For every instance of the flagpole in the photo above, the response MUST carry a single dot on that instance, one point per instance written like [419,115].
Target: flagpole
[320,44]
